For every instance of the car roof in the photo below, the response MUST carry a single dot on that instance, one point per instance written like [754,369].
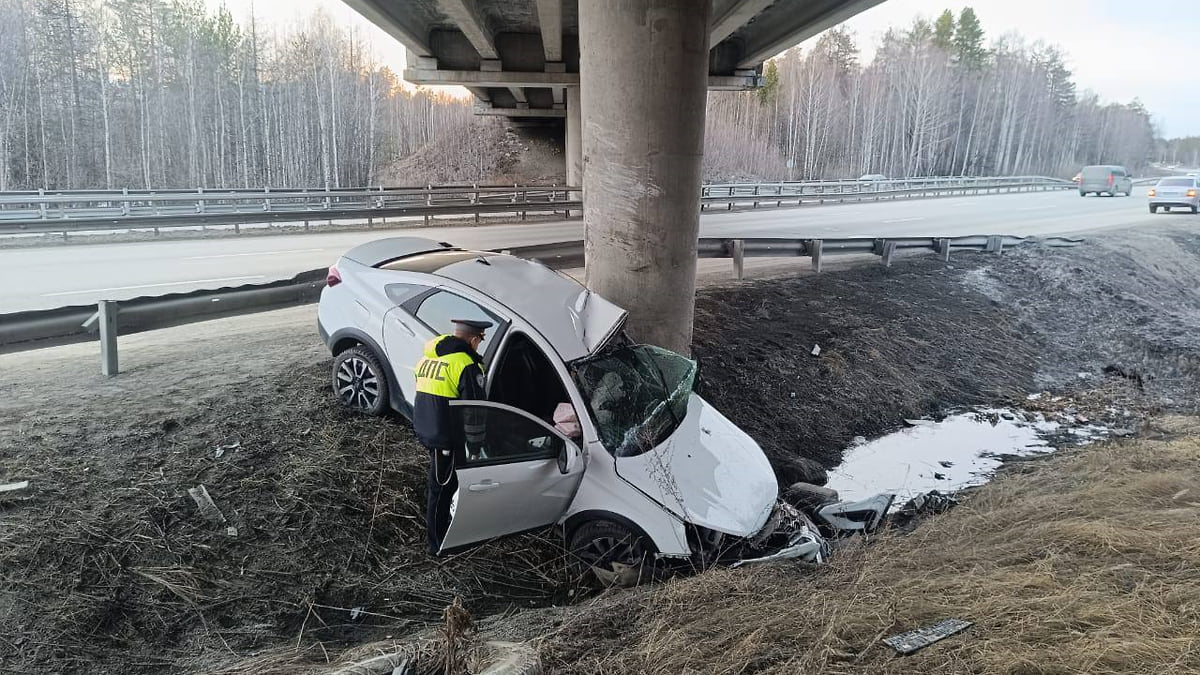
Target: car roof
[574,320]
[379,251]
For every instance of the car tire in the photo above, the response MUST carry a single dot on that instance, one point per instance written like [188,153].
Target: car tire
[606,554]
[1153,209]
[1194,209]
[1166,209]
[360,381]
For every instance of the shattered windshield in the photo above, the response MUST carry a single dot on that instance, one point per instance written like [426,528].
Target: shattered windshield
[637,394]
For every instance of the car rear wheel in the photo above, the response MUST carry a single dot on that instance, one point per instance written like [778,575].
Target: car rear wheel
[607,554]
[1166,209]
[1153,209]
[359,381]
[1194,209]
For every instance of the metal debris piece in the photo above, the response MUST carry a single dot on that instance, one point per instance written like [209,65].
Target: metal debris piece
[907,643]
[208,508]
[14,491]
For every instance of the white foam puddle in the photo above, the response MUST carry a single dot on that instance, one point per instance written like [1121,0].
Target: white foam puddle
[961,451]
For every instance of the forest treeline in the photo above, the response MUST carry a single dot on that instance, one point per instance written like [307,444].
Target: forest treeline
[936,99]
[168,93]
[165,93]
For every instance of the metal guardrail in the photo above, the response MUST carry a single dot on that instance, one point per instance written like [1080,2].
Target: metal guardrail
[797,193]
[45,328]
[106,210]
[93,210]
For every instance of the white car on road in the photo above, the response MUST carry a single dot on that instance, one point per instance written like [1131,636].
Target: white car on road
[651,477]
[1181,192]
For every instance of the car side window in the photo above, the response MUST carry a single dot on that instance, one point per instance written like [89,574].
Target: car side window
[507,437]
[439,307]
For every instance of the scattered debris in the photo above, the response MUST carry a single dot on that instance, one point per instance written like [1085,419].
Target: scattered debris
[18,491]
[939,476]
[913,640]
[816,350]
[221,449]
[1129,374]
[1181,494]
[208,508]
[946,464]
[356,612]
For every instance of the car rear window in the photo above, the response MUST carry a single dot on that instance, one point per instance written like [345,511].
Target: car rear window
[1177,182]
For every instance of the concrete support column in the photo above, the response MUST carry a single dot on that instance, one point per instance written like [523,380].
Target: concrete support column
[574,143]
[644,71]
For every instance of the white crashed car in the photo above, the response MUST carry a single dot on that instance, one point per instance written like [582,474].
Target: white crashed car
[585,429]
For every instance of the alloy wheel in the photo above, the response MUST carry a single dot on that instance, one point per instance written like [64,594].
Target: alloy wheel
[357,384]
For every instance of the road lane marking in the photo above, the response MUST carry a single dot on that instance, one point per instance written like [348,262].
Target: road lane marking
[239,255]
[903,220]
[172,283]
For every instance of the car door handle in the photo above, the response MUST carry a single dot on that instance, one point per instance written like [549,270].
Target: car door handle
[483,486]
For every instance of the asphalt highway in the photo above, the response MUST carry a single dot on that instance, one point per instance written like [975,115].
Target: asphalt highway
[56,276]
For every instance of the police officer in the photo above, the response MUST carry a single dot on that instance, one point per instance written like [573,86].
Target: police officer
[451,369]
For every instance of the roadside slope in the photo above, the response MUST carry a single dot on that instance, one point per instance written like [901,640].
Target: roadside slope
[1086,562]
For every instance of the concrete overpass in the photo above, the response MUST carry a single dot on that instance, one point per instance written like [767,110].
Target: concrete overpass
[630,77]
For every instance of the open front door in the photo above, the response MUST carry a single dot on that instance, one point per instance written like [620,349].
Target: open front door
[524,476]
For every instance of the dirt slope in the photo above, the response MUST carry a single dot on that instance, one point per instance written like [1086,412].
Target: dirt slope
[109,567]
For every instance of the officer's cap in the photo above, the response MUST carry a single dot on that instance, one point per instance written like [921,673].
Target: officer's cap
[471,325]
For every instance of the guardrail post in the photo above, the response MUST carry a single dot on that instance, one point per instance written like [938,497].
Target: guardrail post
[995,245]
[125,201]
[42,204]
[200,200]
[942,246]
[107,310]
[428,202]
[814,250]
[889,250]
[738,253]
[756,194]
[475,199]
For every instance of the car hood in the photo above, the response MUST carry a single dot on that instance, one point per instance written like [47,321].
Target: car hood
[709,472]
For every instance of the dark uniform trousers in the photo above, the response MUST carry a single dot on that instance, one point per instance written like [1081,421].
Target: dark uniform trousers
[449,370]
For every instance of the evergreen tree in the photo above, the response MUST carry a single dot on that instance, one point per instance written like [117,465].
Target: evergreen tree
[943,31]
[968,40]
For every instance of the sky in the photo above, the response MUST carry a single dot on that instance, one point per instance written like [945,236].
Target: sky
[1119,49]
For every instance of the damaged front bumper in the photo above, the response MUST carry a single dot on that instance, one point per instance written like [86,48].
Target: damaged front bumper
[793,532]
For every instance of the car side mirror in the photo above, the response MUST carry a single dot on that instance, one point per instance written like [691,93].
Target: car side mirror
[568,457]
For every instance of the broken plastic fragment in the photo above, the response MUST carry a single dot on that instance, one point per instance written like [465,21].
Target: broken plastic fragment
[907,643]
[816,350]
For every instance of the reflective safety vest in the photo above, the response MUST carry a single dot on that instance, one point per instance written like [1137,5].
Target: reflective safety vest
[439,375]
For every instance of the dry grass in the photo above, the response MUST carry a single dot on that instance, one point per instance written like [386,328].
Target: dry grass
[1088,562]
